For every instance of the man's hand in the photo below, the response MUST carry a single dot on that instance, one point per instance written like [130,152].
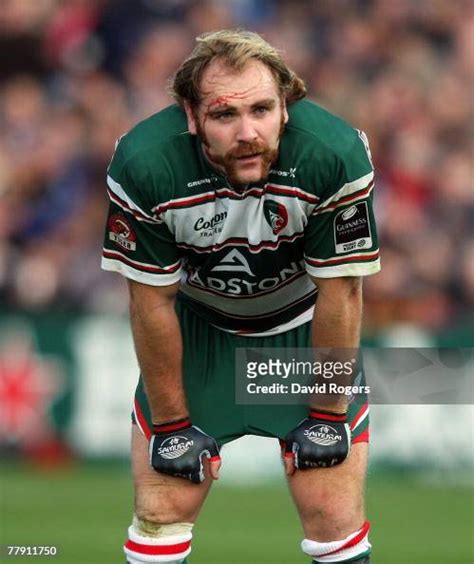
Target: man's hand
[178,447]
[321,440]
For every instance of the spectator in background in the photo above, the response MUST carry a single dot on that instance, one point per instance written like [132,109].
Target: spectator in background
[80,73]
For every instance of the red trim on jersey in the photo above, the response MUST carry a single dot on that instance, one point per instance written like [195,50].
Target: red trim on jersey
[292,192]
[142,421]
[328,416]
[362,438]
[243,242]
[157,549]
[346,199]
[215,458]
[220,193]
[342,260]
[355,540]
[124,205]
[141,266]
[184,203]
[359,415]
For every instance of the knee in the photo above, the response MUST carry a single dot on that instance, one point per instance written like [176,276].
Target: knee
[152,543]
[355,547]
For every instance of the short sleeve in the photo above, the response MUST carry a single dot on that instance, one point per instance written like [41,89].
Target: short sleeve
[341,235]
[137,244]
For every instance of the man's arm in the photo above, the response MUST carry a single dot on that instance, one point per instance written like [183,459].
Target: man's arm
[159,349]
[336,325]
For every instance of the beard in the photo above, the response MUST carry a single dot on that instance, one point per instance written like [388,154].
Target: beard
[229,161]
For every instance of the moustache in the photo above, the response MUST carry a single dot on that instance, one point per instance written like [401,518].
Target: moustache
[247,150]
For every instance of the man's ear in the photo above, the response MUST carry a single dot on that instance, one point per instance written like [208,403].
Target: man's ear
[191,119]
[285,113]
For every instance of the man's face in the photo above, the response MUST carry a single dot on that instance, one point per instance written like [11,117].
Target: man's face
[240,120]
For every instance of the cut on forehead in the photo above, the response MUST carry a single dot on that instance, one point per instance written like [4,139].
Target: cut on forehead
[253,78]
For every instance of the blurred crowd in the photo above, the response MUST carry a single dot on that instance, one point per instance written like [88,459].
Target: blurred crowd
[77,74]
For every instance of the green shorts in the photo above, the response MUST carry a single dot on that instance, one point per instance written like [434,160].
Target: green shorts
[209,380]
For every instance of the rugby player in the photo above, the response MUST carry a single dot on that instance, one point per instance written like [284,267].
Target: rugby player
[232,212]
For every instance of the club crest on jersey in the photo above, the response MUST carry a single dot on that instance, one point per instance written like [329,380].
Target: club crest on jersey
[276,215]
[121,232]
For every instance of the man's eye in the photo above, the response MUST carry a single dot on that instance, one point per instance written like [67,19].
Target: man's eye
[225,116]
[261,110]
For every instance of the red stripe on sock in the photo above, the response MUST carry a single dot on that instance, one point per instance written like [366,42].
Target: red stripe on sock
[157,549]
[360,535]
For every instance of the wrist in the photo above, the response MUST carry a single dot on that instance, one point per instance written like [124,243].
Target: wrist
[172,425]
[327,415]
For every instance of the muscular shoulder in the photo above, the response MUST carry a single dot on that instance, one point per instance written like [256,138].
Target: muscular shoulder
[149,160]
[325,150]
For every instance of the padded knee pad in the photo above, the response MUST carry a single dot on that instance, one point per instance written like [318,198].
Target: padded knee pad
[151,543]
[354,545]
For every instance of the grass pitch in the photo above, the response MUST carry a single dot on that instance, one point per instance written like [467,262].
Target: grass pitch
[84,512]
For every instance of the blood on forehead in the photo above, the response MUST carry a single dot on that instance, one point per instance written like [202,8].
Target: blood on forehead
[221,85]
[225,100]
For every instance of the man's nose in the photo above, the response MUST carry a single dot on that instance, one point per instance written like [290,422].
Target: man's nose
[246,131]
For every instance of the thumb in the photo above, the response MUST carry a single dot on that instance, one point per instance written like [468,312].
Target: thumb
[289,462]
[215,463]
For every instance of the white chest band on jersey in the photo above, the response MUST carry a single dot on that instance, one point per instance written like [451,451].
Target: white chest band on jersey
[356,544]
[155,543]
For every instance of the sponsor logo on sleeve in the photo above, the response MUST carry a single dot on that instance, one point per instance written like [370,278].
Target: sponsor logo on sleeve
[352,229]
[121,232]
[276,215]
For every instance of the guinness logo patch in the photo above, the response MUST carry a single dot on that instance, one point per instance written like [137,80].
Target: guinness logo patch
[352,229]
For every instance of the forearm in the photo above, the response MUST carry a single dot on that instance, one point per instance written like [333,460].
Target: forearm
[336,326]
[158,346]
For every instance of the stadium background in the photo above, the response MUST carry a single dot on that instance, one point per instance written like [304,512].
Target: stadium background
[74,76]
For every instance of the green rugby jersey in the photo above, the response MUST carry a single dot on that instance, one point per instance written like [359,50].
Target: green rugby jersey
[243,258]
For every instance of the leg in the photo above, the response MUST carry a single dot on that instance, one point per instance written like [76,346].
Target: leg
[165,510]
[330,503]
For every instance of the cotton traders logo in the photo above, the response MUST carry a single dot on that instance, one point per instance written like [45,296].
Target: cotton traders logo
[121,232]
[174,447]
[276,215]
[323,435]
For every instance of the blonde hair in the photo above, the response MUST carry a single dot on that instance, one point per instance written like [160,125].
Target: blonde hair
[235,48]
